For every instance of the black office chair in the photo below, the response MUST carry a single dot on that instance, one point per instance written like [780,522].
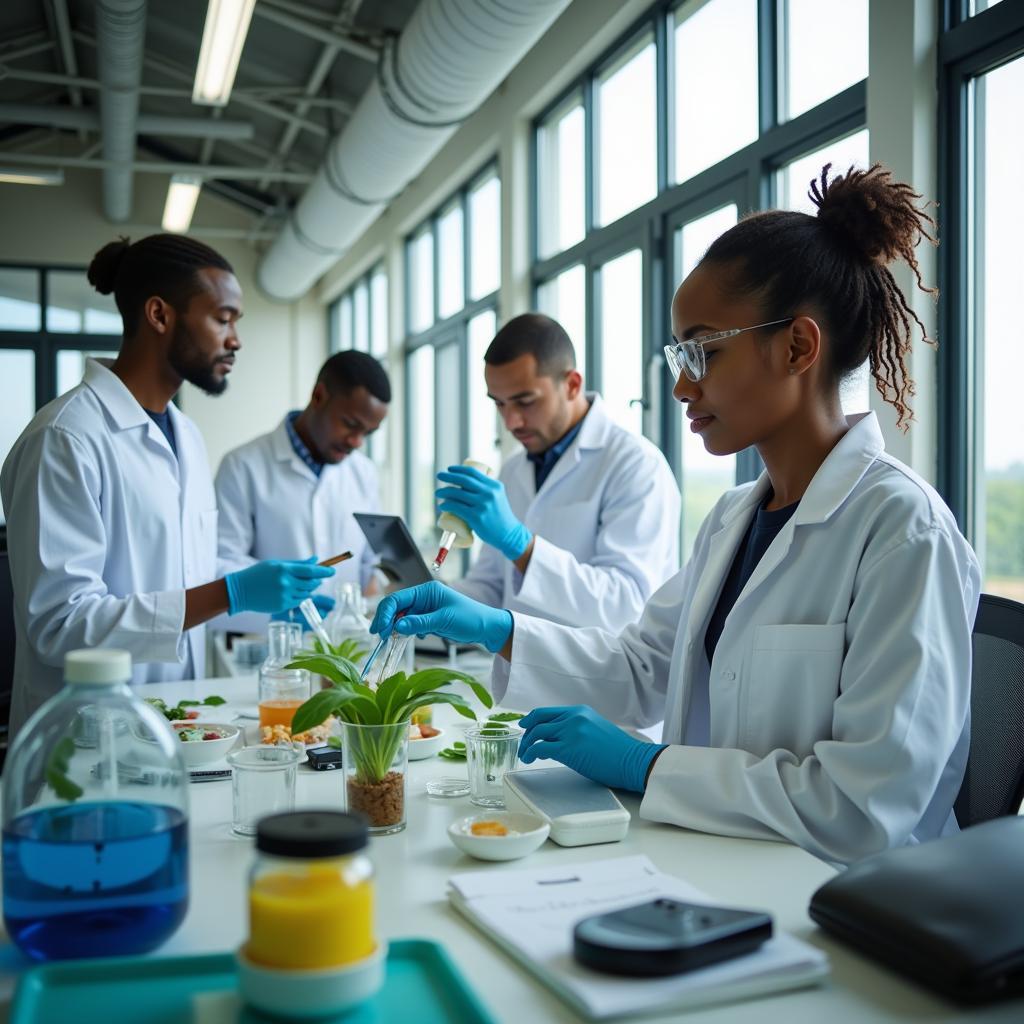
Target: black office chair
[993,785]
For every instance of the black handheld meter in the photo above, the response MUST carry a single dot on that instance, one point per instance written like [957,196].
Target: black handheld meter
[667,937]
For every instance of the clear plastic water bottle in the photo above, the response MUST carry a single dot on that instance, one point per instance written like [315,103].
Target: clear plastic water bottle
[95,820]
[347,624]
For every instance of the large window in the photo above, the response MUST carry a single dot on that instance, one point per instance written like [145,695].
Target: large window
[701,112]
[51,320]
[359,320]
[453,265]
[981,356]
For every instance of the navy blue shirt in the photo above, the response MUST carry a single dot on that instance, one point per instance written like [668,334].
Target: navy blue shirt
[763,529]
[545,461]
[163,421]
[299,446]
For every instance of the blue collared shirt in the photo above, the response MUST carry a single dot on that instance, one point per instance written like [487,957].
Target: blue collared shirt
[299,445]
[545,461]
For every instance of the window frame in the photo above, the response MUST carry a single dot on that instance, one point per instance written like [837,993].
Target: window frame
[334,308]
[44,343]
[750,172]
[453,329]
[969,46]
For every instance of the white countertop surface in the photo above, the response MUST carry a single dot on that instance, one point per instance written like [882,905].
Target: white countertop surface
[413,867]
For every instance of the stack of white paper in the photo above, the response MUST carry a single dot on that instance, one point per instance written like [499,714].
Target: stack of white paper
[532,913]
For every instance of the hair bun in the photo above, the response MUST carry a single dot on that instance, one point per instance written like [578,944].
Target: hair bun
[102,272]
[873,213]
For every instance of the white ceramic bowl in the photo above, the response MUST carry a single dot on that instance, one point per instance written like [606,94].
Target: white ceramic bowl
[199,752]
[419,749]
[527,834]
[322,992]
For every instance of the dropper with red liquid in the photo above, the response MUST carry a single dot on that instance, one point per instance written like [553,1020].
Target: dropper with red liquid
[447,540]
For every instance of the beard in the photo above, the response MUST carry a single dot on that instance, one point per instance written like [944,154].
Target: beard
[190,363]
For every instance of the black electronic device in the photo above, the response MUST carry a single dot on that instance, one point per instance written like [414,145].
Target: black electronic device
[397,555]
[667,936]
[324,759]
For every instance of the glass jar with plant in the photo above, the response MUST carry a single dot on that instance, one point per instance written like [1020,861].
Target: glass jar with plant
[375,725]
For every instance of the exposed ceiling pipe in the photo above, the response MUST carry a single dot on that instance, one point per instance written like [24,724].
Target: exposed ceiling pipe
[450,58]
[146,124]
[120,36]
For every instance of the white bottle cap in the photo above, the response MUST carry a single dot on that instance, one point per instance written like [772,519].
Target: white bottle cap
[98,666]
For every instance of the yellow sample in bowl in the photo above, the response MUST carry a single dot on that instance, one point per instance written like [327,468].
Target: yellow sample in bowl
[310,919]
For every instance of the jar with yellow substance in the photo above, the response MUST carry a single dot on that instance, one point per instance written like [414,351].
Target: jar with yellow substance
[311,933]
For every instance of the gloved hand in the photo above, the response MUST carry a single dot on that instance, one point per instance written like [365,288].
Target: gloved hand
[589,744]
[324,603]
[274,586]
[481,501]
[435,608]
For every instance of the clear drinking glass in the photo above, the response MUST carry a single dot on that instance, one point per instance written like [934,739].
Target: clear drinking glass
[490,752]
[262,783]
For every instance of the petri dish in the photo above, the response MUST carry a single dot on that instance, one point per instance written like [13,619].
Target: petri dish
[448,786]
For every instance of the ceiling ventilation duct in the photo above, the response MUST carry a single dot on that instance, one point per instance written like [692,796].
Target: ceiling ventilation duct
[450,58]
[120,39]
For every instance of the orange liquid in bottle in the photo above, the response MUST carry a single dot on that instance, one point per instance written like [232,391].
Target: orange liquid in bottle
[278,712]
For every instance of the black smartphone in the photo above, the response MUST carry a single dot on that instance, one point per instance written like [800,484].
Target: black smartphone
[667,937]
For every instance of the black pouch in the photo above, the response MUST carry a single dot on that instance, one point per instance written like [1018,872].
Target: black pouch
[949,913]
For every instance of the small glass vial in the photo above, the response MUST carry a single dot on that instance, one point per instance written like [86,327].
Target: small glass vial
[281,689]
[311,892]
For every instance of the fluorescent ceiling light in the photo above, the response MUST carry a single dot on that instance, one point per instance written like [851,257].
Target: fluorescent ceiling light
[32,176]
[227,22]
[181,201]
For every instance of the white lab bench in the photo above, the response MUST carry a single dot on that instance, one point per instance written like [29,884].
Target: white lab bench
[413,866]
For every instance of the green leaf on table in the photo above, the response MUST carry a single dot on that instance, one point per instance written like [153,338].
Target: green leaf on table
[56,770]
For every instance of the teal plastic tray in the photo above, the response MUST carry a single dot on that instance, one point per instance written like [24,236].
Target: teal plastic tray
[422,984]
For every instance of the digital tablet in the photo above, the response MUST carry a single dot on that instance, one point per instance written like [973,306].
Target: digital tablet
[397,555]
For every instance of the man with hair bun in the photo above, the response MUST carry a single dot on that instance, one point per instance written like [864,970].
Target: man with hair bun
[111,513]
[294,490]
[812,661]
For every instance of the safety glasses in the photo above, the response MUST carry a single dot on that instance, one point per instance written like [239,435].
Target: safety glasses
[688,356]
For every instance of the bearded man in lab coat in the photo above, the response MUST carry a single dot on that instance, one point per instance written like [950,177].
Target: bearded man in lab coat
[582,525]
[293,491]
[111,515]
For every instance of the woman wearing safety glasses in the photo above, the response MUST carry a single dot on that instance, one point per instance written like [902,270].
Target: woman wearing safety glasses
[812,661]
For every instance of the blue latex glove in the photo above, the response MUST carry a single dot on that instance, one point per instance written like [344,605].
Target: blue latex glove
[324,603]
[274,586]
[434,608]
[481,501]
[589,744]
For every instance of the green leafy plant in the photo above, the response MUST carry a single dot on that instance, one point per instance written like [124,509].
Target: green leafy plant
[348,649]
[178,712]
[389,706]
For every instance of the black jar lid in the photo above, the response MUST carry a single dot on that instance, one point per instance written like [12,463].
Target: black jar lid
[311,834]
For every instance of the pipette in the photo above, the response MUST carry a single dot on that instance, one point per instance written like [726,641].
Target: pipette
[447,540]
[316,623]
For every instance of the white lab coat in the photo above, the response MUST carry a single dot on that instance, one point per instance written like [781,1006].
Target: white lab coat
[840,687]
[272,505]
[106,530]
[606,523]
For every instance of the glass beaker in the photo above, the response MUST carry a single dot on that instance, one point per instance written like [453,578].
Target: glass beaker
[347,625]
[281,689]
[491,751]
[376,761]
[262,783]
[95,809]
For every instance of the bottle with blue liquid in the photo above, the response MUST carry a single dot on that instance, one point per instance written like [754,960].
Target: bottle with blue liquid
[95,820]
